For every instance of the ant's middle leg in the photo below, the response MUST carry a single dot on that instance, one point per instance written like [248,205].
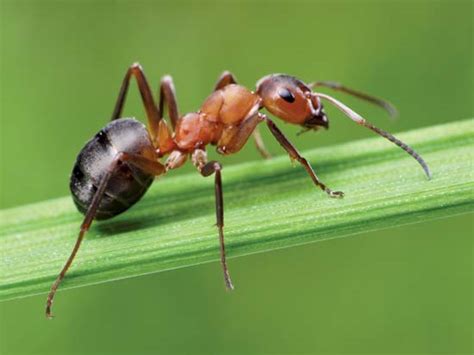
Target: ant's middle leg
[225,79]
[167,94]
[294,154]
[228,78]
[199,158]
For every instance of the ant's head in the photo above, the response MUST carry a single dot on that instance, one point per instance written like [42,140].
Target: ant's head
[291,100]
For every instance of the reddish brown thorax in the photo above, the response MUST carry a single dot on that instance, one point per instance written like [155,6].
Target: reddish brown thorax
[223,110]
[229,105]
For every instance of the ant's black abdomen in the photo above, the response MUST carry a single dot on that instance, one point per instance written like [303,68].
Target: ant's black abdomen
[127,183]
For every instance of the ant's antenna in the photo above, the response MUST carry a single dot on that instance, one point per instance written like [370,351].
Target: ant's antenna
[387,106]
[363,122]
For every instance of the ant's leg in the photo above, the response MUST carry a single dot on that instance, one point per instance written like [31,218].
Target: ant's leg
[228,78]
[233,138]
[260,145]
[168,94]
[294,154]
[225,79]
[199,158]
[91,211]
[147,165]
[387,106]
[152,112]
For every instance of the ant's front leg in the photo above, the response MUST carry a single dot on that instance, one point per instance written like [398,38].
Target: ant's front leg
[234,137]
[228,78]
[294,154]
[199,158]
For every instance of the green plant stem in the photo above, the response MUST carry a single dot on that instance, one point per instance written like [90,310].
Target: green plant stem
[268,205]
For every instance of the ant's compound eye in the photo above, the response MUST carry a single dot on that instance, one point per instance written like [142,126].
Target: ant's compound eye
[286,95]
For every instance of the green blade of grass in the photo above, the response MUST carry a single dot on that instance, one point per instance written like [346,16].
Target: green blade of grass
[268,205]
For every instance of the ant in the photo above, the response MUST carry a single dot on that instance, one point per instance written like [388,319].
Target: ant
[117,166]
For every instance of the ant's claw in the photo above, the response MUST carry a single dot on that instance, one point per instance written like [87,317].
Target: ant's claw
[335,194]
[49,316]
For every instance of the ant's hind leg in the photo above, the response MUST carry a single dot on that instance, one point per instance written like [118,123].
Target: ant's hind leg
[150,166]
[90,214]
[199,158]
[294,154]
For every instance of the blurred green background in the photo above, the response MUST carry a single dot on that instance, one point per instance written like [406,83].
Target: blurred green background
[404,290]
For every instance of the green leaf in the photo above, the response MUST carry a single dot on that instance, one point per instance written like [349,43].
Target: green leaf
[268,205]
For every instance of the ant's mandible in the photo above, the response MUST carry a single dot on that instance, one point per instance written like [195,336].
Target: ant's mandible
[117,166]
